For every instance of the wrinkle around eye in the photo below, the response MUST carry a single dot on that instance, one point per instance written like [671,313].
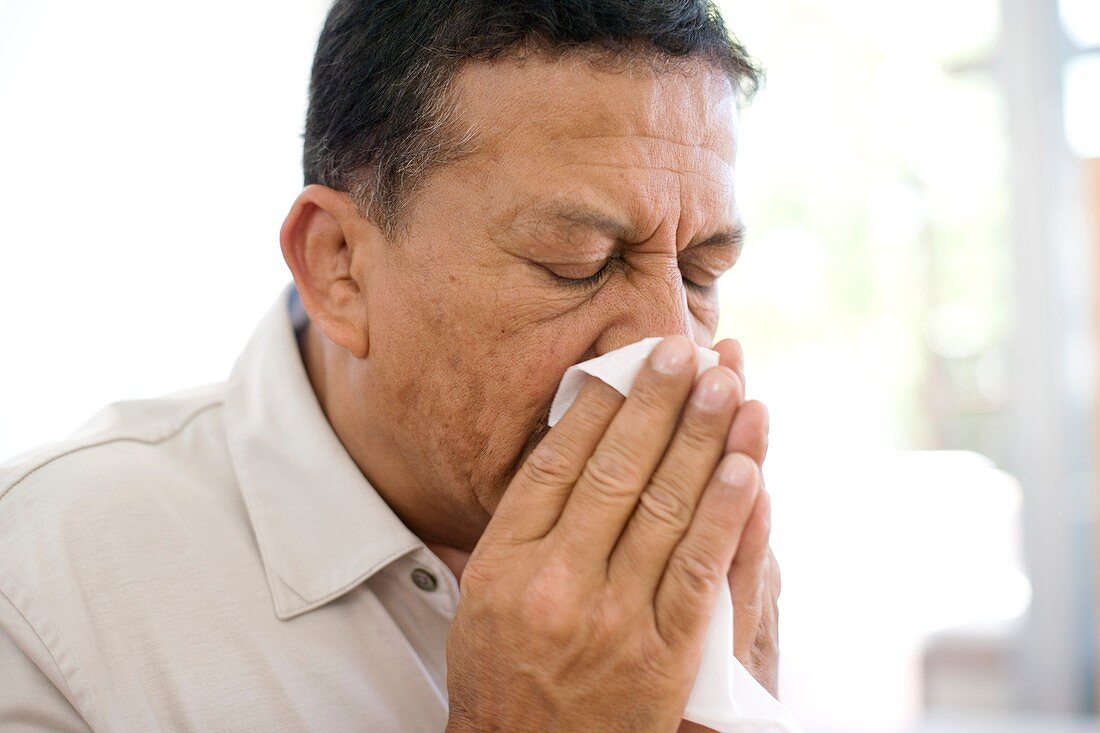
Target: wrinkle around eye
[591,280]
[702,278]
[704,265]
[704,306]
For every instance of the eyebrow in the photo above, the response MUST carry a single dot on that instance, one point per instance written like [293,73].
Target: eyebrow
[585,217]
[621,231]
[734,238]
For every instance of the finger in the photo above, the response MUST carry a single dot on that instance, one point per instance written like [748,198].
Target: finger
[753,550]
[607,491]
[758,648]
[732,356]
[749,432]
[533,501]
[667,505]
[749,577]
[766,651]
[701,561]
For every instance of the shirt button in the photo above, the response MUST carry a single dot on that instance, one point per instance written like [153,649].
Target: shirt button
[424,580]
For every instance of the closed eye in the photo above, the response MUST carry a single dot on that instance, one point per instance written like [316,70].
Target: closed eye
[692,285]
[596,277]
[702,265]
[588,281]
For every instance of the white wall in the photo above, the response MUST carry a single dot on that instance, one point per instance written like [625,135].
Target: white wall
[148,153]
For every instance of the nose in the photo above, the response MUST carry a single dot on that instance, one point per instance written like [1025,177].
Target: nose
[657,307]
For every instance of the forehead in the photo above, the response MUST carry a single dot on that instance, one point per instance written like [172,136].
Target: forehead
[632,134]
[575,93]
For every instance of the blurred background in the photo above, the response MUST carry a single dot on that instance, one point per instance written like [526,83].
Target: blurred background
[921,185]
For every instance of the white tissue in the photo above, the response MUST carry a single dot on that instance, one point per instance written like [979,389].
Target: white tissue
[725,696]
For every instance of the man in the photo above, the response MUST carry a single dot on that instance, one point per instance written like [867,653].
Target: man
[368,526]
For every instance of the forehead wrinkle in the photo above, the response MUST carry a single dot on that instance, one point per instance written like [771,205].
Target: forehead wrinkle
[695,146]
[649,151]
[633,187]
[655,169]
[615,197]
[644,163]
[585,216]
[627,215]
[572,213]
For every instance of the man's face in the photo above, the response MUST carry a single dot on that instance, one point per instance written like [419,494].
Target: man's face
[598,210]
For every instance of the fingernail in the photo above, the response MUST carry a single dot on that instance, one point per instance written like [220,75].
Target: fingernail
[713,391]
[671,356]
[732,471]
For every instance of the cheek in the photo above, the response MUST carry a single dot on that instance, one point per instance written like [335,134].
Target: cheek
[474,385]
[474,419]
[507,415]
[473,359]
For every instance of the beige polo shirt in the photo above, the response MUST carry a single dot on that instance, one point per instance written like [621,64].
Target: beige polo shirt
[213,560]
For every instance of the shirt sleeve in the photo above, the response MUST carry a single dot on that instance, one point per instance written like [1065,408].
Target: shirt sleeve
[29,701]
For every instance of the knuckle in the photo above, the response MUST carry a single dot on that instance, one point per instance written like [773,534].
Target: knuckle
[608,619]
[653,659]
[667,505]
[769,636]
[702,432]
[476,577]
[610,472]
[486,567]
[751,609]
[549,464]
[698,573]
[766,647]
[543,603]
[651,397]
[595,406]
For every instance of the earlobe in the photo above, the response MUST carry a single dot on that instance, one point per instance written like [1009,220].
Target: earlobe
[317,238]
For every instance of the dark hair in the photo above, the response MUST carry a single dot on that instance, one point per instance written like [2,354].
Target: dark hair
[379,109]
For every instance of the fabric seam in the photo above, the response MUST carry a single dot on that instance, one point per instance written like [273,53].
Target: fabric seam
[116,438]
[61,672]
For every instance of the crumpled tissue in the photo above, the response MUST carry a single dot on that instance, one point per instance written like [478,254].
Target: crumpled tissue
[725,696]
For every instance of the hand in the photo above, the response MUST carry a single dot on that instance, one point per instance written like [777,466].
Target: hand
[754,575]
[585,604]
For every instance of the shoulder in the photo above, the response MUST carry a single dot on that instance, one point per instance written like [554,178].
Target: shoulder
[117,475]
[122,430]
[90,525]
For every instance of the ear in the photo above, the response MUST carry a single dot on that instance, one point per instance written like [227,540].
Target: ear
[326,243]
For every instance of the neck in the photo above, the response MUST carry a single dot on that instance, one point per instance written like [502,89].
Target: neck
[335,378]
[452,557]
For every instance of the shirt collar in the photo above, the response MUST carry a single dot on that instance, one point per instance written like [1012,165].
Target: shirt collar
[321,527]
